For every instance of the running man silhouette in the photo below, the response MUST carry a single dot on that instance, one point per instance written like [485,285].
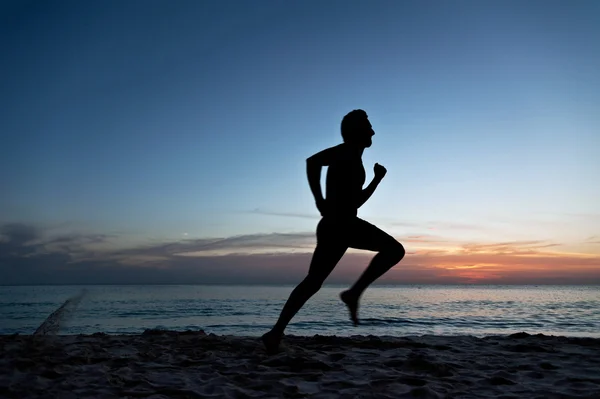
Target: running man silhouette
[340,228]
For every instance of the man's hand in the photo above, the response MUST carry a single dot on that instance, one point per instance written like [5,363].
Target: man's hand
[379,171]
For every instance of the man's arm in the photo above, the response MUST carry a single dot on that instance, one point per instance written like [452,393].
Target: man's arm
[368,191]
[313,170]
[365,194]
[325,157]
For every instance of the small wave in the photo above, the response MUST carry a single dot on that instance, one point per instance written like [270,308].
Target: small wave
[53,323]
[26,304]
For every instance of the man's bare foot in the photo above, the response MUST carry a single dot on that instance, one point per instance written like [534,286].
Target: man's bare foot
[352,302]
[271,341]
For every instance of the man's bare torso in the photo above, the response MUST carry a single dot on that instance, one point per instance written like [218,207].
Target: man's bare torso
[345,179]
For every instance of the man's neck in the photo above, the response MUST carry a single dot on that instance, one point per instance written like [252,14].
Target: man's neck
[355,150]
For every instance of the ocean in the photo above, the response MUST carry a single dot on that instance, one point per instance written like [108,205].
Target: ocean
[477,310]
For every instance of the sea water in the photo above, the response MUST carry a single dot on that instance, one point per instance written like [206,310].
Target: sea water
[477,310]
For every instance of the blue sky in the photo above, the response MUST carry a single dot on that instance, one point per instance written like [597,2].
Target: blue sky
[156,121]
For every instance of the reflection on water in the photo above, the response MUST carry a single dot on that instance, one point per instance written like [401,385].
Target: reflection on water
[250,310]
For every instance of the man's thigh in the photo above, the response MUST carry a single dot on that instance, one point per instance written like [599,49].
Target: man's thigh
[367,236]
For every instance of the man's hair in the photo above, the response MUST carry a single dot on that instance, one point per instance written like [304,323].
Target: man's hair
[352,122]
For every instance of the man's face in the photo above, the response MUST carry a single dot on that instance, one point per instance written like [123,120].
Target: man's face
[365,134]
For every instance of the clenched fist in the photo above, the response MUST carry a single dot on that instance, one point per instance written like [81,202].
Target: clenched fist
[379,171]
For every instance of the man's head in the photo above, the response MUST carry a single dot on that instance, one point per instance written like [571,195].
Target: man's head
[356,129]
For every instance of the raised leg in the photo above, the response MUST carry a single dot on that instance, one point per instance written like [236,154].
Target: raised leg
[390,252]
[381,263]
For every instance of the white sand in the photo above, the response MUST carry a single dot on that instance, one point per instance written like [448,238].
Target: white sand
[194,365]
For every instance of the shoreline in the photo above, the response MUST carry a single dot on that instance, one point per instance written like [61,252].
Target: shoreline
[257,335]
[193,364]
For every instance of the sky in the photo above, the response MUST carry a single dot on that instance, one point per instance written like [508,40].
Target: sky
[165,142]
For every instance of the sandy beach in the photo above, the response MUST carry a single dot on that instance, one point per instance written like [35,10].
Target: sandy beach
[168,364]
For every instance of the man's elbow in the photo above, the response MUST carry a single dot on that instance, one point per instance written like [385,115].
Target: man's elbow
[312,161]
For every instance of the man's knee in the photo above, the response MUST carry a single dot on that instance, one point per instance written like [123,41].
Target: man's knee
[312,283]
[396,251]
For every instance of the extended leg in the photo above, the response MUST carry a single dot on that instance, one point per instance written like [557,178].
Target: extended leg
[324,260]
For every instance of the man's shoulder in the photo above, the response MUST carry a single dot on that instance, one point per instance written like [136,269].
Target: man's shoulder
[340,149]
[332,155]
[338,152]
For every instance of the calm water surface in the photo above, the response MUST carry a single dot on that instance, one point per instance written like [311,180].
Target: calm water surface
[251,310]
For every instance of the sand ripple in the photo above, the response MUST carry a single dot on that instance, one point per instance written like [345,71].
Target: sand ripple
[163,364]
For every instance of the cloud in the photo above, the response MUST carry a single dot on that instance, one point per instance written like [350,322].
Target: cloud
[510,247]
[454,226]
[593,240]
[18,234]
[253,243]
[258,211]
[389,222]
[435,225]
[403,224]
[27,256]
[424,239]
[576,215]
